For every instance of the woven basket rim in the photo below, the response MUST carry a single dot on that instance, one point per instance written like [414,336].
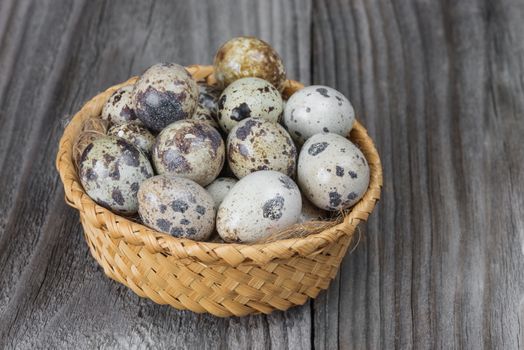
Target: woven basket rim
[120,227]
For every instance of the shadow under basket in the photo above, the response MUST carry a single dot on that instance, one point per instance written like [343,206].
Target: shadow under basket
[221,279]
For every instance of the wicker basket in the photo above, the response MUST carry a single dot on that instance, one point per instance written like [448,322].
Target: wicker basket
[221,279]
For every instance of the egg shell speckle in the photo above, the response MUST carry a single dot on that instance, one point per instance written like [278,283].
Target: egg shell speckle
[243,57]
[260,204]
[136,134]
[248,97]
[111,171]
[316,109]
[165,93]
[205,115]
[190,149]
[257,144]
[177,206]
[219,188]
[208,97]
[119,108]
[332,172]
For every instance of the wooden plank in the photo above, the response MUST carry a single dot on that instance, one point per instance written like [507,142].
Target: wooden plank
[439,86]
[57,54]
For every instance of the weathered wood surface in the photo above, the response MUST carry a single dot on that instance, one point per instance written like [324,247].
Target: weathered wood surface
[440,86]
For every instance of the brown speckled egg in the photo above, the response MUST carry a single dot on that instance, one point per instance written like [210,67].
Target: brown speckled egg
[248,97]
[219,188]
[208,97]
[164,94]
[332,172]
[136,134]
[190,149]
[316,109]
[111,171]
[205,115]
[248,57]
[177,206]
[119,108]
[257,144]
[260,204]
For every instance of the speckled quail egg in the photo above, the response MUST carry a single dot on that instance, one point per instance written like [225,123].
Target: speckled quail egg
[111,171]
[243,57]
[177,206]
[136,134]
[332,172]
[316,109]
[310,212]
[208,97]
[257,144]
[220,187]
[260,204]
[190,149]
[164,94]
[248,97]
[204,115]
[119,108]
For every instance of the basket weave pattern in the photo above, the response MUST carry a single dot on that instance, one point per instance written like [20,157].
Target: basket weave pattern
[221,279]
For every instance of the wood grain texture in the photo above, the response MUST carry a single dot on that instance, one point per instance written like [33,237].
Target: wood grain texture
[438,84]
[55,55]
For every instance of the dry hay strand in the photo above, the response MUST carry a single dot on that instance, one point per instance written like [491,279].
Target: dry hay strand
[92,129]
[304,229]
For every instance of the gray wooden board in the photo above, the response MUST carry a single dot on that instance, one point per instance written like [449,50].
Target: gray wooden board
[438,84]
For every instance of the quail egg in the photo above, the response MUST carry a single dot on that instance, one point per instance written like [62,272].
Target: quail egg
[205,115]
[220,187]
[332,172]
[164,94]
[260,204]
[177,206]
[136,134]
[248,97]
[119,108]
[190,149]
[243,57]
[316,109]
[257,144]
[111,171]
[208,97]
[310,212]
